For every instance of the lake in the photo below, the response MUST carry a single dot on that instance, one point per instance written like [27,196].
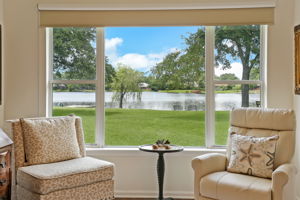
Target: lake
[155,100]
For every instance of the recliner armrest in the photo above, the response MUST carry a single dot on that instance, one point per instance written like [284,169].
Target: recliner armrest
[209,163]
[280,178]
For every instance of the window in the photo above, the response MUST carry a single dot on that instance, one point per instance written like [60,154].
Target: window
[72,75]
[134,85]
[237,73]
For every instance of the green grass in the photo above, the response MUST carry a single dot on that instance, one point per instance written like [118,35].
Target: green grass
[221,127]
[88,119]
[135,126]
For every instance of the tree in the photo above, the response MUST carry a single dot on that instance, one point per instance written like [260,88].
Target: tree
[194,59]
[228,76]
[74,57]
[126,84]
[255,74]
[110,73]
[167,72]
[239,43]
[183,69]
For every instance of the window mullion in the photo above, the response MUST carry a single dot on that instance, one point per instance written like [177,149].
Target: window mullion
[263,64]
[74,81]
[49,63]
[100,88]
[209,79]
[235,82]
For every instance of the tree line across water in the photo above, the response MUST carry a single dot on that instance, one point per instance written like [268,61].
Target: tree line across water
[74,58]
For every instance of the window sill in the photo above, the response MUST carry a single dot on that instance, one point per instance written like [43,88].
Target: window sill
[134,151]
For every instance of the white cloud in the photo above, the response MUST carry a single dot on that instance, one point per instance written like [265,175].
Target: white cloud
[137,61]
[111,47]
[134,60]
[144,62]
[236,68]
[112,44]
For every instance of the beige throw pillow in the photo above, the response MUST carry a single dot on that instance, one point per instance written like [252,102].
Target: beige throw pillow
[252,155]
[50,140]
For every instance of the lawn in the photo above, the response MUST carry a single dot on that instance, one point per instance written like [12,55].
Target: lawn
[135,126]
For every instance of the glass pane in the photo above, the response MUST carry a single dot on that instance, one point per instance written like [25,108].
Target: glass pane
[78,99]
[155,90]
[74,53]
[228,97]
[237,52]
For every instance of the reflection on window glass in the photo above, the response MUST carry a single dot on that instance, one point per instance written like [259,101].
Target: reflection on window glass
[155,85]
[228,97]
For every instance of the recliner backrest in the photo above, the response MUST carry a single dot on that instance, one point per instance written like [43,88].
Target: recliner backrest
[263,123]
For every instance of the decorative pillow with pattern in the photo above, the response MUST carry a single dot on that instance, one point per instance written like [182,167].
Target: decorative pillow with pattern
[252,155]
[50,140]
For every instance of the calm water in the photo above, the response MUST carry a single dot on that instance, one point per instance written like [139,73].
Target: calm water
[155,100]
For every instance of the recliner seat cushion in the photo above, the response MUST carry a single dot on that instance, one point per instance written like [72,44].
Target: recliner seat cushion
[230,186]
[46,178]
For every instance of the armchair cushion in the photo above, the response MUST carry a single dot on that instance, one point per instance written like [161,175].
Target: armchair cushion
[50,140]
[46,178]
[230,186]
[252,155]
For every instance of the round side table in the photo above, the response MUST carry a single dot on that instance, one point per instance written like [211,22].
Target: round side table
[161,164]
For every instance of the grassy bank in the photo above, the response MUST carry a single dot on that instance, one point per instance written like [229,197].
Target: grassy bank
[203,91]
[136,127]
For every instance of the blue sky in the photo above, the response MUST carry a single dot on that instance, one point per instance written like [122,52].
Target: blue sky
[145,40]
[142,47]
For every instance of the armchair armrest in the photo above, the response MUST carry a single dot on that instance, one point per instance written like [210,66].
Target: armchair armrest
[209,163]
[280,177]
[206,164]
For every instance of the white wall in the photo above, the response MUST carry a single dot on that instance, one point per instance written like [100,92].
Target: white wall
[297,110]
[1,22]
[135,171]
[21,48]
[280,57]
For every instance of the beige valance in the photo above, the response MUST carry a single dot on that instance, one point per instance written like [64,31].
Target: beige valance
[175,17]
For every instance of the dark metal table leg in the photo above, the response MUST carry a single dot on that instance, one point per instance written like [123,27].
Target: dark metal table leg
[160,175]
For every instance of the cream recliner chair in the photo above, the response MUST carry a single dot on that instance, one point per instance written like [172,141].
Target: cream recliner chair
[212,181]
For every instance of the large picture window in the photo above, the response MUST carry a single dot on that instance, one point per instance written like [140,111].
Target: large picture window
[134,85]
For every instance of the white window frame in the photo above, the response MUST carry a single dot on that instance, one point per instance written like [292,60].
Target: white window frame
[99,82]
[210,83]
